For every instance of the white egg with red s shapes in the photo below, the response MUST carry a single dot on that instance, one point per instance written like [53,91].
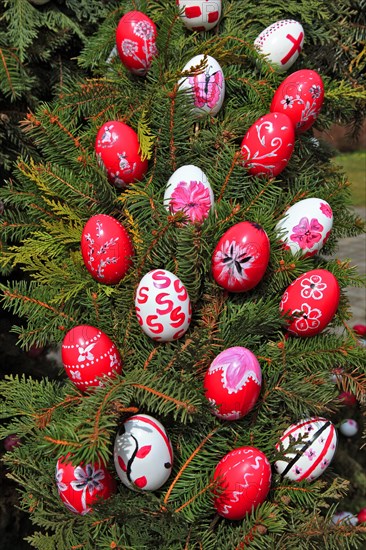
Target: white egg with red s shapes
[143,454]
[282,43]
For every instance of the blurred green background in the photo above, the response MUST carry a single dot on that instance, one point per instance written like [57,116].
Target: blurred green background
[354,165]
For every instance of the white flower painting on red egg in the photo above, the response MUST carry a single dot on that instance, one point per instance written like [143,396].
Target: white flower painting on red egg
[235,260]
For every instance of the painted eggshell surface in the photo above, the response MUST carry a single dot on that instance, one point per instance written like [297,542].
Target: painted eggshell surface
[314,298]
[282,43]
[241,257]
[163,307]
[136,41]
[188,190]
[206,84]
[244,479]
[310,458]
[143,454]
[200,15]
[80,487]
[88,354]
[233,383]
[117,149]
[300,97]
[268,145]
[306,226]
[106,248]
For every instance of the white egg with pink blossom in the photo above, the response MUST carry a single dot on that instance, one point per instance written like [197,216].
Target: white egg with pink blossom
[348,427]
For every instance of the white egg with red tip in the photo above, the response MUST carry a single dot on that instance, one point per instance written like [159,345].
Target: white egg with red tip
[281,43]
[306,226]
[189,191]
[143,454]
[206,84]
[348,427]
[312,443]
[200,15]
[162,305]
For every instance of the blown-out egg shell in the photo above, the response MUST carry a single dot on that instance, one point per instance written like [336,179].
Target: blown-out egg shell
[312,299]
[300,97]
[88,354]
[241,257]
[244,479]
[188,190]
[143,453]
[206,85]
[268,145]
[82,486]
[117,148]
[233,383]
[282,43]
[306,226]
[162,305]
[106,249]
[200,15]
[136,41]
[310,458]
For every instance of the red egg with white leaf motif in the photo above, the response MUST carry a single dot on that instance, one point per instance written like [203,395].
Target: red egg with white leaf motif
[310,302]
[136,41]
[268,145]
[241,257]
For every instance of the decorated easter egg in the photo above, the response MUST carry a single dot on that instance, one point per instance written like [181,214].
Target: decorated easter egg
[189,191]
[268,145]
[306,226]
[312,300]
[200,15]
[348,427]
[300,97]
[309,458]
[233,382]
[361,516]
[282,43]
[83,485]
[88,355]
[106,248]
[117,149]
[143,454]
[244,479]
[163,307]
[344,518]
[241,257]
[136,41]
[206,84]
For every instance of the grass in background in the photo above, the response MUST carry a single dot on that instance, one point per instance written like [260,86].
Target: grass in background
[354,165]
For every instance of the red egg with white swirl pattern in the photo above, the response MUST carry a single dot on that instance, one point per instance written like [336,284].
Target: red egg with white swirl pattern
[136,41]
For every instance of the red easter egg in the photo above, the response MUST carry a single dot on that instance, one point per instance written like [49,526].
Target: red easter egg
[82,486]
[244,480]
[106,248]
[268,145]
[300,96]
[136,41]
[241,257]
[88,354]
[233,383]
[361,516]
[314,299]
[117,149]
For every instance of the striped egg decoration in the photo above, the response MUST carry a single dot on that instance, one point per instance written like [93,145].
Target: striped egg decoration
[312,455]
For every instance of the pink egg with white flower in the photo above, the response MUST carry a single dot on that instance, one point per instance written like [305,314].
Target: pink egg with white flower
[306,226]
[189,191]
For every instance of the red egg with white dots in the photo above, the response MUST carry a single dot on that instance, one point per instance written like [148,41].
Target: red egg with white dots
[136,41]
[89,355]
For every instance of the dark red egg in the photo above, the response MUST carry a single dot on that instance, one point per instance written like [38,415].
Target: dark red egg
[136,41]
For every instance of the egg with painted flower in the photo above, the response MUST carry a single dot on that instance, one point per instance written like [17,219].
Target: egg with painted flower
[136,41]
[200,15]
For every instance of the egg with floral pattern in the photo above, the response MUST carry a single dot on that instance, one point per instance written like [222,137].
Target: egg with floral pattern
[241,257]
[136,41]
[189,191]
[310,302]
[200,15]
[309,458]
[306,226]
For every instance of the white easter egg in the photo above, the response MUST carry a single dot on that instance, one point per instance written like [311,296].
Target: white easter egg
[348,427]
[345,518]
[162,305]
[143,454]
[200,15]
[206,84]
[282,43]
[306,226]
[188,190]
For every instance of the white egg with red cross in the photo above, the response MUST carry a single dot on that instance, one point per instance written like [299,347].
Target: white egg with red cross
[162,305]
[200,15]
[143,454]
[281,43]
